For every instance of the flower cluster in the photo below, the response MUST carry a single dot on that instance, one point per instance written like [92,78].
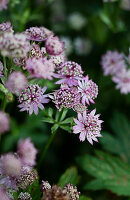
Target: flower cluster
[16,174]
[32,98]
[115,64]
[69,192]
[77,92]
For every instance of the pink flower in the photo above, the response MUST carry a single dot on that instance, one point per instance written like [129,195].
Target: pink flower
[70,73]
[66,97]
[27,152]
[88,90]
[88,125]
[10,170]
[123,81]
[4,122]
[54,46]
[40,68]
[58,60]
[36,52]
[38,33]
[3,194]
[6,27]
[3,4]
[32,98]
[16,82]
[14,45]
[113,63]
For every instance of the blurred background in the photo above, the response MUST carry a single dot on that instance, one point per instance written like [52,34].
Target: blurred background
[89,28]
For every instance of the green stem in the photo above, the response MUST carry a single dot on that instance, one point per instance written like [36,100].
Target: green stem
[3,105]
[5,68]
[46,148]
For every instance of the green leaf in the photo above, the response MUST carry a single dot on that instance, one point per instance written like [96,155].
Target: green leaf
[120,142]
[110,173]
[68,120]
[6,92]
[49,120]
[66,128]
[84,198]
[50,112]
[69,176]
[63,114]
[54,128]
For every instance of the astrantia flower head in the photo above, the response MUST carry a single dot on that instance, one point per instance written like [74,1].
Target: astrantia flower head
[113,63]
[3,194]
[38,33]
[1,69]
[66,97]
[45,186]
[123,81]
[20,61]
[6,27]
[72,191]
[14,45]
[4,122]
[54,46]
[58,60]
[27,152]
[79,108]
[16,82]
[3,4]
[40,68]
[88,90]
[36,52]
[27,178]
[70,73]
[10,165]
[24,196]
[88,125]
[32,98]
[55,193]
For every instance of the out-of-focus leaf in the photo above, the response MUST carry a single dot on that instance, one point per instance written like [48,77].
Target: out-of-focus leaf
[50,112]
[69,176]
[120,142]
[84,198]
[100,32]
[110,173]
[6,92]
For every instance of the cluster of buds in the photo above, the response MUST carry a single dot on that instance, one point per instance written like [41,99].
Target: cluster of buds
[69,192]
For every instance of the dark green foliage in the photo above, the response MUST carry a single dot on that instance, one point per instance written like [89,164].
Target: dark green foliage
[119,142]
[110,173]
[69,176]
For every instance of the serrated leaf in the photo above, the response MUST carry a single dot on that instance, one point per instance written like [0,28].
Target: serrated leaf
[110,173]
[120,142]
[69,176]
